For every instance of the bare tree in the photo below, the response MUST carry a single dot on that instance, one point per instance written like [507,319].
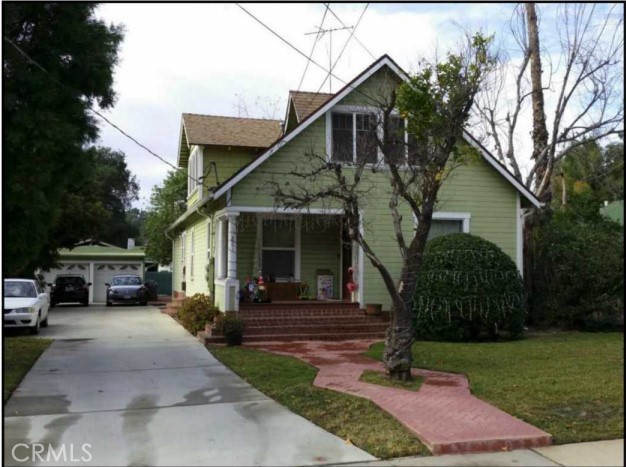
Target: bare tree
[409,145]
[583,93]
[268,108]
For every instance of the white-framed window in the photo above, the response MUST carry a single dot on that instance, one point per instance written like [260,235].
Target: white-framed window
[353,136]
[191,253]
[183,249]
[194,170]
[444,223]
[208,239]
[280,247]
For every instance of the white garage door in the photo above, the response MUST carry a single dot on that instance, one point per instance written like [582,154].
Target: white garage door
[104,272]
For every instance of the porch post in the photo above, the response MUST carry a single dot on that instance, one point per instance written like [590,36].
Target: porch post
[232,245]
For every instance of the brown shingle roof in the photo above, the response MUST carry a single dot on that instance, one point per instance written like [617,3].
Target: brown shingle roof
[230,131]
[305,103]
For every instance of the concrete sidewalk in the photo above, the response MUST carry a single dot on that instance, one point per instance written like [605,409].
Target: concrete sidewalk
[129,386]
[597,453]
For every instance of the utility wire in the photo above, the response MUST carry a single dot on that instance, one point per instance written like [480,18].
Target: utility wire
[355,38]
[90,108]
[340,54]
[317,37]
[321,67]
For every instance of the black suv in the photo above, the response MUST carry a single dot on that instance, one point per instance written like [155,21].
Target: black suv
[69,288]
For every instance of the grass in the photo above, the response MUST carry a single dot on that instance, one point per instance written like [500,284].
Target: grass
[376,377]
[20,354]
[568,384]
[289,381]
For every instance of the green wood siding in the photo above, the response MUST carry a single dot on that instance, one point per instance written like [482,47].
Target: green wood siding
[228,161]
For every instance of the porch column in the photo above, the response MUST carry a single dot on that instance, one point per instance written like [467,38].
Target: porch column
[232,245]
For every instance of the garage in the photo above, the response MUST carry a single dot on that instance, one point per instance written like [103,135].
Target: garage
[98,262]
[104,272]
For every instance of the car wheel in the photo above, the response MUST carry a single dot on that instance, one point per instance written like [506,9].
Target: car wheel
[44,323]
[35,329]
[109,303]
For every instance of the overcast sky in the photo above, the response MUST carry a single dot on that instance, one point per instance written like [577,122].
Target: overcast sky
[211,58]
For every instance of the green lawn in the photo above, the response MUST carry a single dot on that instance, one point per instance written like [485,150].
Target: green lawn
[568,384]
[20,354]
[289,381]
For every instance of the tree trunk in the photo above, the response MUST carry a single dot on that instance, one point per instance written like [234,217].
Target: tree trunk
[399,340]
[540,130]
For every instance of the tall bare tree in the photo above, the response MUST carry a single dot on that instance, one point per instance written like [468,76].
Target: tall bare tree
[578,98]
[408,146]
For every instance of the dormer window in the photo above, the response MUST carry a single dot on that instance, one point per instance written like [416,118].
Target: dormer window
[194,170]
[354,137]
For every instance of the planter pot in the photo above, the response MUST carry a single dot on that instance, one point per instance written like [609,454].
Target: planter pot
[373,308]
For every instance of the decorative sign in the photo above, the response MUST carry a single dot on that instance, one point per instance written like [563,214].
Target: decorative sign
[324,287]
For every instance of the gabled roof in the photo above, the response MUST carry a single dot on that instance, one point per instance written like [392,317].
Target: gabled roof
[305,103]
[384,61]
[225,131]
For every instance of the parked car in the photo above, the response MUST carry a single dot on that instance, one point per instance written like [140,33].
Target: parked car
[69,288]
[25,305]
[127,289]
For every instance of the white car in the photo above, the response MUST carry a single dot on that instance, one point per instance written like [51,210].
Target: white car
[25,305]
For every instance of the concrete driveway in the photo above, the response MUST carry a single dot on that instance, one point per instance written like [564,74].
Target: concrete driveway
[129,386]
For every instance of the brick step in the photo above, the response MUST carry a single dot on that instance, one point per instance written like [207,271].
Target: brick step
[312,337]
[316,329]
[301,313]
[315,320]
[206,338]
[312,304]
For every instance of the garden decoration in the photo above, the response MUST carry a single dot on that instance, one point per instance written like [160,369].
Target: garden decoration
[303,291]
[351,285]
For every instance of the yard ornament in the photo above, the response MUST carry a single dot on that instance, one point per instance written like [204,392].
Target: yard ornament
[351,285]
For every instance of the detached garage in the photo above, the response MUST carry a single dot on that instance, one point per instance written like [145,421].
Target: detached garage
[98,262]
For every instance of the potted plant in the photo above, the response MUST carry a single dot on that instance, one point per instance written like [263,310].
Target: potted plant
[373,309]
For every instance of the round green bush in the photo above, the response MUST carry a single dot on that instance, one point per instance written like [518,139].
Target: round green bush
[231,328]
[196,312]
[468,289]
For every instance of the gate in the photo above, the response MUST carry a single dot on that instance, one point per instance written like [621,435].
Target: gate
[163,280]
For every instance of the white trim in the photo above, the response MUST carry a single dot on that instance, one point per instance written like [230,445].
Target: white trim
[192,255]
[297,239]
[329,140]
[501,170]
[519,232]
[385,60]
[232,246]
[455,216]
[279,211]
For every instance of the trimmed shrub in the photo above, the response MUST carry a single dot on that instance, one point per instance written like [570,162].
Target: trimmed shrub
[197,311]
[578,274]
[231,328]
[468,289]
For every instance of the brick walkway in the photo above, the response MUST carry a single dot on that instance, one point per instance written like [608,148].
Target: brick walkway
[443,414]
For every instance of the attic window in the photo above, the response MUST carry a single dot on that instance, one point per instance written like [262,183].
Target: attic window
[194,170]
[354,137]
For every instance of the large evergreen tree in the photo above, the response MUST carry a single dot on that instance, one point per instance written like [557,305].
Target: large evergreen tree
[47,124]
[166,204]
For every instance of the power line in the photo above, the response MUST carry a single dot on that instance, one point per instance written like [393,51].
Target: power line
[317,37]
[89,107]
[355,38]
[282,39]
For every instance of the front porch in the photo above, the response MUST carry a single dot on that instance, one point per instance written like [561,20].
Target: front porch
[304,258]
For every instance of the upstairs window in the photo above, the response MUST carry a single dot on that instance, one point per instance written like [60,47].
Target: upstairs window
[194,170]
[395,143]
[354,137]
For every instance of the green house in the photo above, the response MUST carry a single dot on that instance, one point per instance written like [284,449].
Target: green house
[232,230]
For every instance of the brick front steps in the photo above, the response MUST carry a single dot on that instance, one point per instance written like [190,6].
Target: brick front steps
[295,321]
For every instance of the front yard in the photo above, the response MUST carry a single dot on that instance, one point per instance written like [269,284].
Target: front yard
[568,384]
[20,354]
